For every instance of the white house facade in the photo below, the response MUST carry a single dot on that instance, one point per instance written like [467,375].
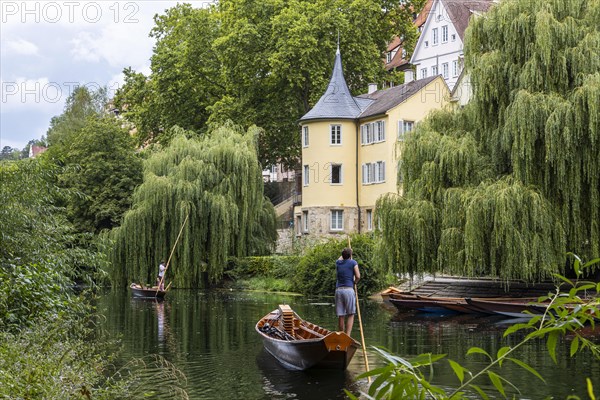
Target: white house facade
[439,50]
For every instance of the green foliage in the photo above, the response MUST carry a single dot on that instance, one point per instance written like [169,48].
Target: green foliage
[39,253]
[202,74]
[81,104]
[316,272]
[104,170]
[266,273]
[216,182]
[567,312]
[504,186]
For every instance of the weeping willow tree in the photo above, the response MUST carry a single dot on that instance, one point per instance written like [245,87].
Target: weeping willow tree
[507,185]
[217,182]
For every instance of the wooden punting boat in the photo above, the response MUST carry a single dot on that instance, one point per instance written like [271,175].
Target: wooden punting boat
[517,308]
[147,292]
[424,304]
[299,344]
[450,304]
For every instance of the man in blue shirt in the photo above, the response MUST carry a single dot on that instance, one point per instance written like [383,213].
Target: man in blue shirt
[345,297]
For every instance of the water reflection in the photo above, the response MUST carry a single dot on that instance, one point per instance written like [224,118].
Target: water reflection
[210,336]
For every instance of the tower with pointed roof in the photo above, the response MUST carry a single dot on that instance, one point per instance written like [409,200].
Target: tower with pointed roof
[350,148]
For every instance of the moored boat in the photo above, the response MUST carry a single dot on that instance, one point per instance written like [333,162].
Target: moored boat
[300,345]
[517,308]
[147,292]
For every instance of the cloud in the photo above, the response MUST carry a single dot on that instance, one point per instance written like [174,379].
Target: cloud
[21,47]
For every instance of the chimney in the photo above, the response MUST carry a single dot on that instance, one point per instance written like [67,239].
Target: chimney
[409,75]
[372,87]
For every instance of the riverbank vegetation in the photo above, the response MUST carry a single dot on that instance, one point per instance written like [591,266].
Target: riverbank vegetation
[49,345]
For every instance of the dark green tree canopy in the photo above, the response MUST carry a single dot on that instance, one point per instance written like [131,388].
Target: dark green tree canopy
[216,182]
[506,186]
[259,63]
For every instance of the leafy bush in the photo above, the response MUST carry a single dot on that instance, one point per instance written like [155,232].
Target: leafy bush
[316,272]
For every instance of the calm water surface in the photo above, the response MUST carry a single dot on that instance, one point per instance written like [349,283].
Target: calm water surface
[210,336]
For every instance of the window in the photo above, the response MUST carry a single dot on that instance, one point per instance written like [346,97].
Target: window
[455,68]
[305,136]
[423,73]
[444,33]
[427,43]
[306,177]
[434,70]
[404,54]
[373,172]
[445,70]
[434,36]
[369,220]
[305,221]
[389,57]
[298,227]
[336,174]
[403,128]
[372,132]
[336,134]
[453,37]
[337,220]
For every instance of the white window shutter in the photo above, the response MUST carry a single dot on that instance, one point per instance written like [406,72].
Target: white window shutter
[383,171]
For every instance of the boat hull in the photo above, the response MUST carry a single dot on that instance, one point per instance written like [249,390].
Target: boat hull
[146,292]
[515,309]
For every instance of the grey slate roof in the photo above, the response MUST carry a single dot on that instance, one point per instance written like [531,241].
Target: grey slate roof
[337,101]
[384,100]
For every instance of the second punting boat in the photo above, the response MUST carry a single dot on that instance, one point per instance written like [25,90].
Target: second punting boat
[300,345]
[147,292]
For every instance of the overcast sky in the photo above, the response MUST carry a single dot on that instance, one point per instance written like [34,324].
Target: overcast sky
[47,48]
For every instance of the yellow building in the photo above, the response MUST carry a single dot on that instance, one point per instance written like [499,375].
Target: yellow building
[351,147]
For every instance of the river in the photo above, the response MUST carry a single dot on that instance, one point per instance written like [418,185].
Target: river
[210,337]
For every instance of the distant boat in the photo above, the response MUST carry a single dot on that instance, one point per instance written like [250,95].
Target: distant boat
[147,292]
[300,345]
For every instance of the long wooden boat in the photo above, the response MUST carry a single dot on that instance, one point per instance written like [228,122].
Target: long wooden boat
[300,345]
[448,304]
[147,292]
[517,308]
[389,292]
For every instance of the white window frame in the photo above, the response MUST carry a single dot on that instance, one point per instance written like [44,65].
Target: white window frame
[434,37]
[372,132]
[331,166]
[455,68]
[389,57]
[306,175]
[369,220]
[335,134]
[373,173]
[305,221]
[334,219]
[445,73]
[426,43]
[434,70]
[453,37]
[305,136]
[445,34]
[402,128]
[423,73]
[298,226]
